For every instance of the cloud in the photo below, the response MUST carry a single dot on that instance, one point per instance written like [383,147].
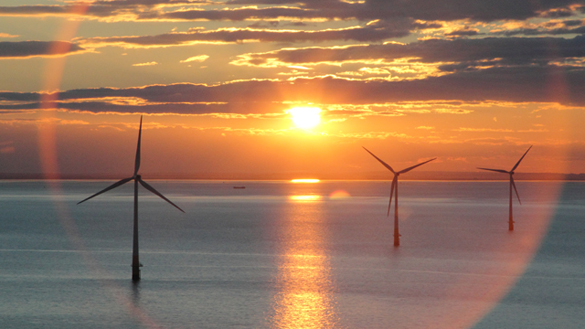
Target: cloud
[550,27]
[145,64]
[7,149]
[466,52]
[558,13]
[121,9]
[374,32]
[520,84]
[483,130]
[447,10]
[200,58]
[371,135]
[26,49]
[32,10]
[237,14]
[478,10]
[8,35]
[463,33]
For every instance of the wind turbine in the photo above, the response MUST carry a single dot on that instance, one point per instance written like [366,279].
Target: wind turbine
[394,189]
[512,185]
[137,179]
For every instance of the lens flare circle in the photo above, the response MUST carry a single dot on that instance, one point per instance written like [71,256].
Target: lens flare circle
[339,195]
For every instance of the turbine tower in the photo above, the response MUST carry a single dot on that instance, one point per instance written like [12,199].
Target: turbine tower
[137,179]
[394,190]
[512,185]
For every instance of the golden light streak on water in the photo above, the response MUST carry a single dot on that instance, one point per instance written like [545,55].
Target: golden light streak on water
[304,280]
[308,198]
[303,301]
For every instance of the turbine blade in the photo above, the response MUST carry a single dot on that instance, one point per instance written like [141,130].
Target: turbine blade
[417,165]
[113,186]
[516,166]
[137,161]
[515,190]
[496,170]
[151,189]
[391,194]
[382,162]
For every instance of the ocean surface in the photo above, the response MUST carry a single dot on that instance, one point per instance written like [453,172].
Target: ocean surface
[277,254]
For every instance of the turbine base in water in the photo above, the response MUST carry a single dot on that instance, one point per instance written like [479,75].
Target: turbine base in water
[135,273]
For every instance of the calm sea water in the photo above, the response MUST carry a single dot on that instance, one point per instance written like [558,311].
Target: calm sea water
[283,255]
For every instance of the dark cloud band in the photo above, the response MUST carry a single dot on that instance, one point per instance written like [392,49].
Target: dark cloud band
[446,10]
[522,84]
[24,49]
[516,51]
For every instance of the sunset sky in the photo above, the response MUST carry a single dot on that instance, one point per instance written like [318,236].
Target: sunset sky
[471,82]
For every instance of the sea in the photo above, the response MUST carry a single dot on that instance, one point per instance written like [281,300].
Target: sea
[278,254]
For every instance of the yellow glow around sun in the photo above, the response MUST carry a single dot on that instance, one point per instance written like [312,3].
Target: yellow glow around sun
[305,117]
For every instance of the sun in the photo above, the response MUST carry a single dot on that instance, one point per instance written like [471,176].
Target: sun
[305,117]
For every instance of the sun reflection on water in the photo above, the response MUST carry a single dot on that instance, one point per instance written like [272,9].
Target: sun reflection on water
[304,297]
[304,300]
[306,198]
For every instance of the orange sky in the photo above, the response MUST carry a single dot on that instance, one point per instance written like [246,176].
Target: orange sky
[474,85]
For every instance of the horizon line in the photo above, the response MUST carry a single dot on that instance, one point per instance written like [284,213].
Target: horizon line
[374,176]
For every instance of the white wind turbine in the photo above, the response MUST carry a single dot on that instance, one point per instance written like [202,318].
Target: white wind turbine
[137,179]
[394,189]
[512,185]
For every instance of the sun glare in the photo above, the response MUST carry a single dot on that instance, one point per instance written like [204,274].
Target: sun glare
[305,117]
[305,180]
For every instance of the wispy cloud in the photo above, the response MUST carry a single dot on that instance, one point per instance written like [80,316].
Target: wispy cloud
[200,58]
[7,147]
[240,35]
[490,130]
[145,64]
[8,35]
[550,27]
